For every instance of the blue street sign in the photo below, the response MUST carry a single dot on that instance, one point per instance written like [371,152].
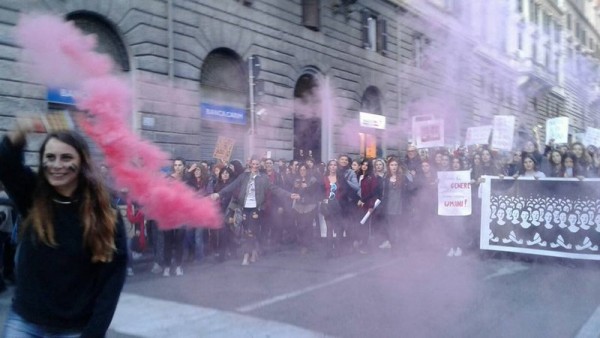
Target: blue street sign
[61,95]
[225,114]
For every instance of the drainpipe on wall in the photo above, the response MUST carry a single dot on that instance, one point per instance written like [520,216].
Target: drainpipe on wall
[251,84]
[171,72]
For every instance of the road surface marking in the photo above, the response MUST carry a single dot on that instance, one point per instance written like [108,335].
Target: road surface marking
[591,328]
[147,317]
[293,294]
[507,270]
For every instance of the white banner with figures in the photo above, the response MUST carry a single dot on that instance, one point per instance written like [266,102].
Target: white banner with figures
[454,193]
[478,135]
[503,132]
[550,217]
[557,129]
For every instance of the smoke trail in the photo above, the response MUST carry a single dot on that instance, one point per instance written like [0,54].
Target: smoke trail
[60,55]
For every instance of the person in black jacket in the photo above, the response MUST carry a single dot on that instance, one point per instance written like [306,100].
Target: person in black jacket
[72,252]
[397,188]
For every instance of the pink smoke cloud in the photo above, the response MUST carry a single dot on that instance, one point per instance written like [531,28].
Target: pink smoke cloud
[61,55]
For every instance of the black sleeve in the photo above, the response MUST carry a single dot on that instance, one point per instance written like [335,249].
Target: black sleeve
[18,179]
[112,278]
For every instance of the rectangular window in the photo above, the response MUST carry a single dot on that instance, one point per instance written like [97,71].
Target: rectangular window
[520,39]
[531,11]
[311,16]
[546,23]
[519,6]
[534,52]
[372,37]
[556,32]
[374,32]
[418,50]
[547,58]
[569,21]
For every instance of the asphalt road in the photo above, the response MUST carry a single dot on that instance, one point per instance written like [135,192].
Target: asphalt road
[424,294]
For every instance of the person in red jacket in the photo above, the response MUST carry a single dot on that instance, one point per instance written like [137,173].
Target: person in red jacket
[369,192]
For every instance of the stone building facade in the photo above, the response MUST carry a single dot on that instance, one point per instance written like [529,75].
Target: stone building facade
[320,64]
[312,66]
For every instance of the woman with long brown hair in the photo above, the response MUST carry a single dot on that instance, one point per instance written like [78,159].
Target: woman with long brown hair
[72,253]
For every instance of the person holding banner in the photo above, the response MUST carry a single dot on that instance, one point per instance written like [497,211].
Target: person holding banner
[584,159]
[455,225]
[570,167]
[529,168]
[555,164]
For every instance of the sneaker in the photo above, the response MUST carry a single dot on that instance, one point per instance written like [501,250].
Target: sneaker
[166,272]
[385,245]
[156,268]
[451,252]
[458,252]
[245,261]
[179,271]
[129,272]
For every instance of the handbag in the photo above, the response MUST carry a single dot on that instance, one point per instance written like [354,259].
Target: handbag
[330,208]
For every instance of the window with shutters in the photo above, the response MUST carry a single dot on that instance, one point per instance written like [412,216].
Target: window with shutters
[311,14]
[419,45]
[374,32]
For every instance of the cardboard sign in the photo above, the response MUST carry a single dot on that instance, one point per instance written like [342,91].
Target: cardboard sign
[224,148]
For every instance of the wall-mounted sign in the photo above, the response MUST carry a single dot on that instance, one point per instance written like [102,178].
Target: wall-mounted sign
[369,120]
[224,114]
[61,96]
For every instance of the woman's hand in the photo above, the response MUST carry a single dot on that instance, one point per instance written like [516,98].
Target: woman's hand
[25,125]
[360,204]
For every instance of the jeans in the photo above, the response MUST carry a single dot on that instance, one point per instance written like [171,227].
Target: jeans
[17,327]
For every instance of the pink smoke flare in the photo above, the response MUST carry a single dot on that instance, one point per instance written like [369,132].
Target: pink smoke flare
[60,55]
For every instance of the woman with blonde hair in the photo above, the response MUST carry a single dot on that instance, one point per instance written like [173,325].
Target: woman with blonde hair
[72,252]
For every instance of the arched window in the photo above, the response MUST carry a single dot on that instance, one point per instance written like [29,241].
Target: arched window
[307,117]
[109,41]
[371,139]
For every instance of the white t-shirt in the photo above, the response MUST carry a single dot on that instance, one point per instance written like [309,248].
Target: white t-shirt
[251,193]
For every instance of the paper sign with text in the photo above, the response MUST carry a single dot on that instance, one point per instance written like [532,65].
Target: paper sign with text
[454,193]
[478,135]
[503,132]
[557,129]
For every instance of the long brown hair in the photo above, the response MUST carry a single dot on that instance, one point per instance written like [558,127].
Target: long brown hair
[97,216]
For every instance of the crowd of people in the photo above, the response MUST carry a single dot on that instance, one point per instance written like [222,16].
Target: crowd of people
[271,205]
[344,206]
